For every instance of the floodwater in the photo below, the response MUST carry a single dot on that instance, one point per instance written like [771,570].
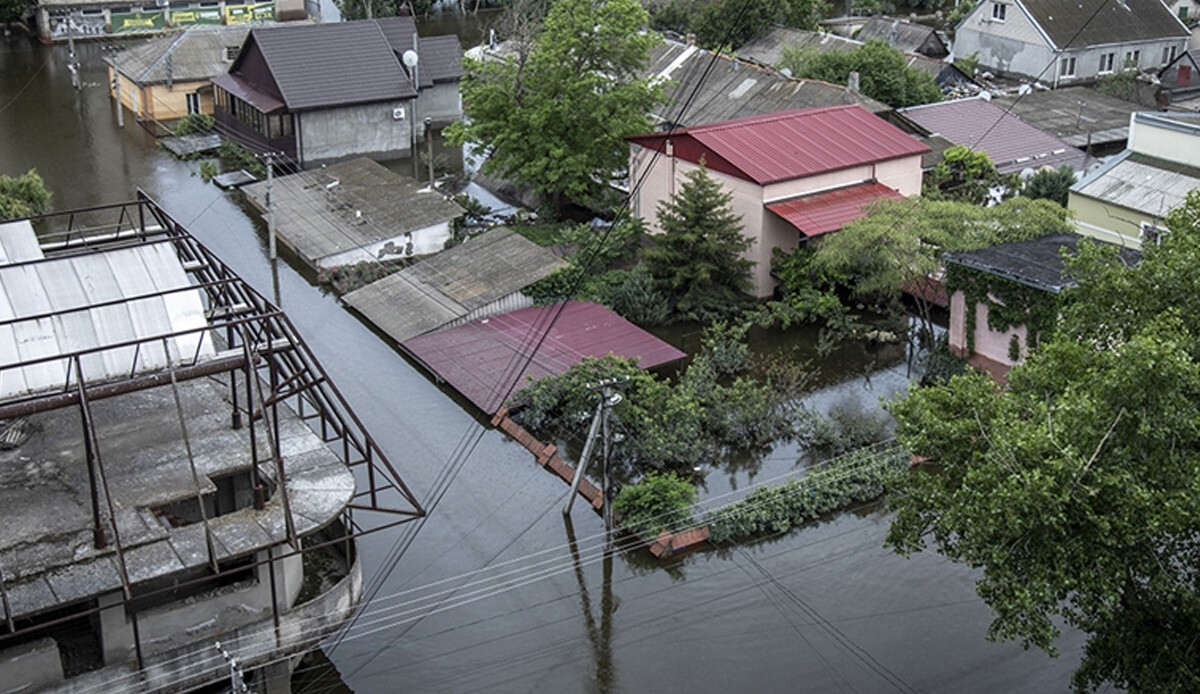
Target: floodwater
[821,609]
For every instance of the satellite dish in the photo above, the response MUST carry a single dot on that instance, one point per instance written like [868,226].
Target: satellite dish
[410,58]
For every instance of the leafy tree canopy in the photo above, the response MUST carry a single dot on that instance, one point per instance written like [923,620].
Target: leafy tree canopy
[697,260]
[734,22]
[1051,184]
[23,196]
[556,118]
[1076,490]
[883,72]
[362,9]
[969,176]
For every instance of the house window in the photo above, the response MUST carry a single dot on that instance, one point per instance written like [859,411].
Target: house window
[1152,233]
[1106,62]
[1183,12]
[1066,67]
[1133,58]
[193,102]
[999,9]
[1169,53]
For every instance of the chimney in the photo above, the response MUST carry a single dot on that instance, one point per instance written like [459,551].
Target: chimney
[852,81]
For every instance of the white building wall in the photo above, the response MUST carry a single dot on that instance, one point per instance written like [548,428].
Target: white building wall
[1159,137]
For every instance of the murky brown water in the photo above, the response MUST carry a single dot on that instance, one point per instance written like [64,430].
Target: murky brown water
[820,609]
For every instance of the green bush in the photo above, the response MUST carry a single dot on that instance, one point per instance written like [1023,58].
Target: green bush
[194,123]
[635,296]
[661,501]
[234,157]
[23,196]
[347,278]
[847,427]
[859,476]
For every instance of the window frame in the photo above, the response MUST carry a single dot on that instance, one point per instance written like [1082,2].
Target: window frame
[1107,61]
[999,11]
[1067,66]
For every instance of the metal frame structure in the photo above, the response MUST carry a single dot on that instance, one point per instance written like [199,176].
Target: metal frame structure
[263,358]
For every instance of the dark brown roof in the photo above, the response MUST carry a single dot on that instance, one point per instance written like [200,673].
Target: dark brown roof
[1093,22]
[335,64]
[908,37]
[440,57]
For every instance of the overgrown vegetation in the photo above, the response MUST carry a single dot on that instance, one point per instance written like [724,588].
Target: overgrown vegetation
[346,278]
[859,476]
[23,196]
[660,501]
[967,175]
[732,22]
[883,72]
[194,123]
[1009,305]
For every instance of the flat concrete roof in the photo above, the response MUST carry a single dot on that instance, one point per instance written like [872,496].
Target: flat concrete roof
[47,556]
[479,359]
[348,206]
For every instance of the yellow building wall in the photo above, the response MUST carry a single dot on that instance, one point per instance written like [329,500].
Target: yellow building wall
[1107,222]
[156,101]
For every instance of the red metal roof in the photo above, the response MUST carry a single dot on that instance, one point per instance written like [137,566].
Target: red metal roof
[1011,143]
[479,359]
[822,213]
[790,144]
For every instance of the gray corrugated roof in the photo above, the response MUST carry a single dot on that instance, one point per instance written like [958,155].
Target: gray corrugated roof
[1011,143]
[335,64]
[449,286]
[1037,263]
[768,49]
[1072,114]
[1094,22]
[195,54]
[733,88]
[909,37]
[1137,182]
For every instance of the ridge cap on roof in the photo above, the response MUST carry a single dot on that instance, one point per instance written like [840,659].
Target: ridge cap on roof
[766,118]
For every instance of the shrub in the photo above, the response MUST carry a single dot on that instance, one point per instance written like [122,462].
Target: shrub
[846,428]
[194,123]
[635,296]
[859,476]
[661,501]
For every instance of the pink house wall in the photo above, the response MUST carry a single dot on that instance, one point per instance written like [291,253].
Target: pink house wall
[989,344]
[767,230]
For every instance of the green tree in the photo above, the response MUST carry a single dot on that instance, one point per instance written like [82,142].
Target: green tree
[968,175]
[1051,184]
[899,243]
[883,72]
[555,118]
[13,10]
[362,9]
[23,196]
[697,260]
[1076,490]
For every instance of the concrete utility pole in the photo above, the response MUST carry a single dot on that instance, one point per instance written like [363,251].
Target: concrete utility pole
[600,423]
[72,63]
[429,148]
[270,207]
[237,678]
[117,91]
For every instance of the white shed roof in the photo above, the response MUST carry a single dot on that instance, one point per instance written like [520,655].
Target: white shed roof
[51,309]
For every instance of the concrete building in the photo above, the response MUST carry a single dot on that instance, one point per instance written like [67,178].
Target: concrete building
[1064,42]
[177,471]
[794,175]
[1125,200]
[325,92]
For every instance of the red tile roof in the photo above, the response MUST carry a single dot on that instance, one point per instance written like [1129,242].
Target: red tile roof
[790,144]
[478,359]
[822,213]
[1011,143]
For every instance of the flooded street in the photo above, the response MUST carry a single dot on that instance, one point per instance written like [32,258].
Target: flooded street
[821,609]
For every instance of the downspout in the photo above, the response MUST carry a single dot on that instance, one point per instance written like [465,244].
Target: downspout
[297,126]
